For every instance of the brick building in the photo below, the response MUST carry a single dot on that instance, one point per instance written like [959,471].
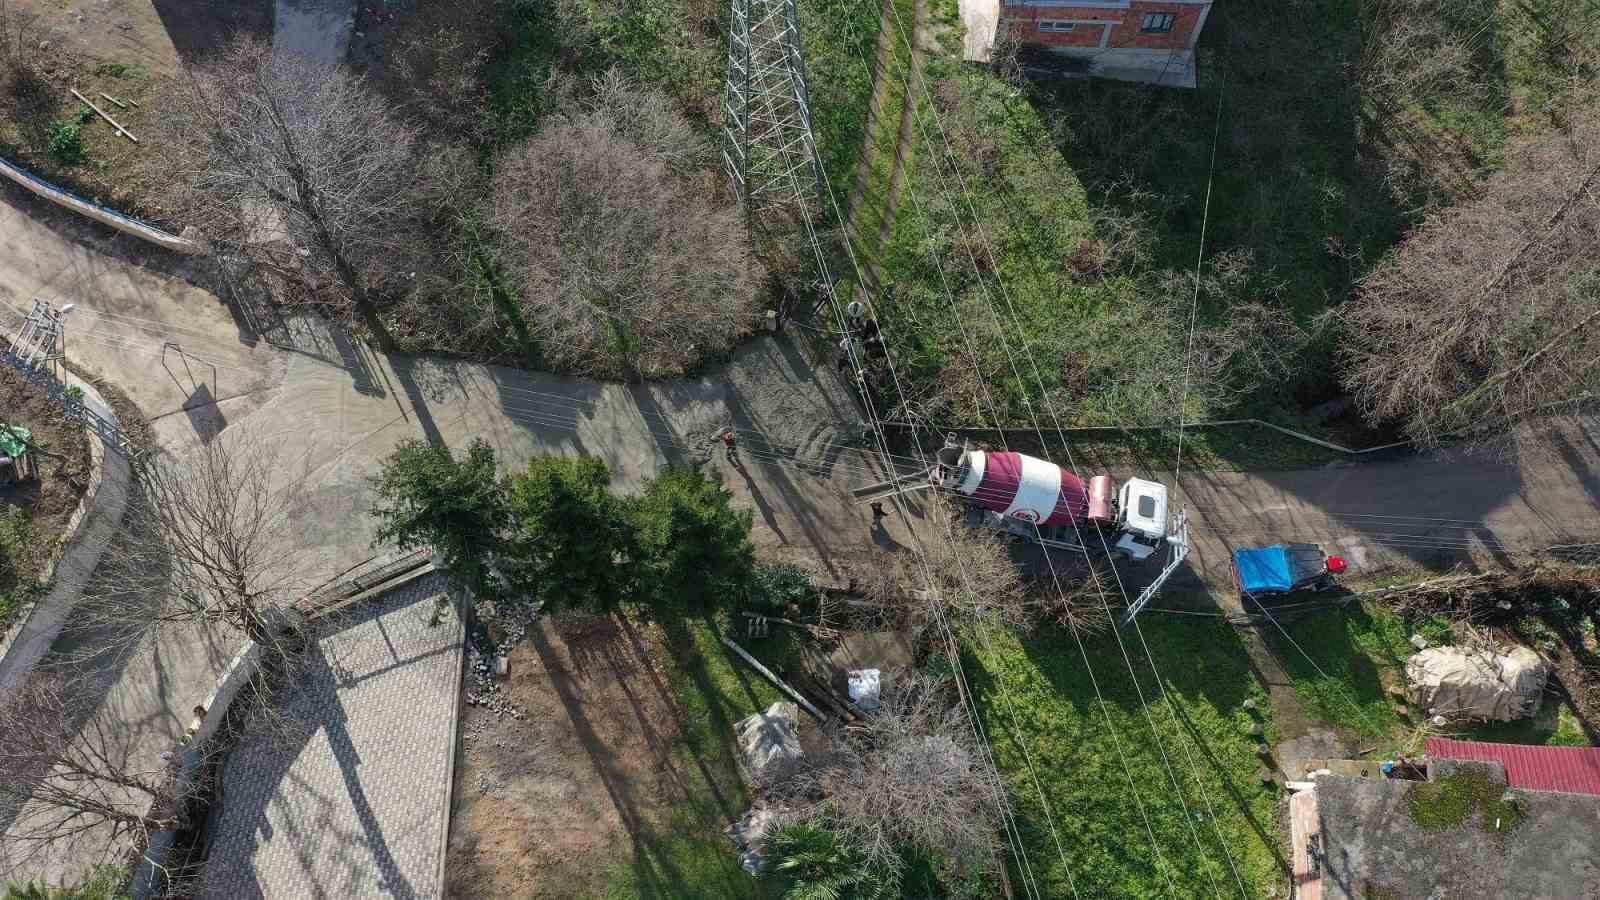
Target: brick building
[1132,40]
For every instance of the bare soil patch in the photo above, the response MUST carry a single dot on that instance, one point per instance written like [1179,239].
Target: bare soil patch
[546,805]
[47,503]
[130,49]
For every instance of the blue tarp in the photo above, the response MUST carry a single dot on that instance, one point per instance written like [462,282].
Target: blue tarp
[1279,568]
[1265,569]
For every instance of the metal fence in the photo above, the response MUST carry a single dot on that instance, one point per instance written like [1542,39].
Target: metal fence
[72,403]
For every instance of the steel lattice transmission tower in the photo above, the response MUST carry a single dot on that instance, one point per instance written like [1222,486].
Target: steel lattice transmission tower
[769,149]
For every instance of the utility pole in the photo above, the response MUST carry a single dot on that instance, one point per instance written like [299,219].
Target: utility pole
[768,147]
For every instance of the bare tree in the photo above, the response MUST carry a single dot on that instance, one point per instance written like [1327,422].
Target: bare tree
[971,579]
[624,265]
[910,777]
[1418,57]
[1413,52]
[1486,321]
[1205,339]
[70,780]
[206,543]
[301,168]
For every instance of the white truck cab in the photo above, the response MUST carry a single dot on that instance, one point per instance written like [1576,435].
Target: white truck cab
[1141,517]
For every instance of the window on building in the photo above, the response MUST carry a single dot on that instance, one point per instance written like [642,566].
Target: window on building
[1159,23]
[1053,25]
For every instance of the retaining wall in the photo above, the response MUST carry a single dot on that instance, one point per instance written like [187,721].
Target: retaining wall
[97,518]
[120,221]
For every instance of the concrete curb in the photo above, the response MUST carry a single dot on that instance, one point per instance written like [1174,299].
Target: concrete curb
[148,877]
[243,667]
[98,516]
[455,743]
[123,223]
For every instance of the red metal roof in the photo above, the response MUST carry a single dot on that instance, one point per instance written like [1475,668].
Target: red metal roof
[1572,770]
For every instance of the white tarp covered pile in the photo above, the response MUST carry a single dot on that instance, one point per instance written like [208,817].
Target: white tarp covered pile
[1477,683]
[749,834]
[770,742]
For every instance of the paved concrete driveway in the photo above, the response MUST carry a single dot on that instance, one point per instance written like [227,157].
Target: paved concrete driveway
[358,807]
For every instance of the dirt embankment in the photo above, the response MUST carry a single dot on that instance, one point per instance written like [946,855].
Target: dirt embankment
[45,503]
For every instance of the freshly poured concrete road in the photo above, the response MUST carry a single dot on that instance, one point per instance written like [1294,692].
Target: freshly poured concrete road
[334,409]
[338,408]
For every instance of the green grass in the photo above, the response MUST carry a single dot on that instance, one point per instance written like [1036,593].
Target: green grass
[1079,760]
[687,855]
[1362,650]
[1358,650]
[873,208]
[1554,726]
[21,554]
[120,70]
[1446,803]
[104,882]
[517,72]
[1299,185]
[841,40]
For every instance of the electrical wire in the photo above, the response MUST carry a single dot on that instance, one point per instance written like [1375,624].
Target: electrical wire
[994,264]
[898,498]
[910,94]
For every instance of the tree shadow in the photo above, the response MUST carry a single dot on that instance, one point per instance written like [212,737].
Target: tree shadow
[199,28]
[1351,694]
[338,831]
[657,870]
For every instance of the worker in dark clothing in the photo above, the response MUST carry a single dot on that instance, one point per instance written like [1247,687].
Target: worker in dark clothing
[878,511]
[730,443]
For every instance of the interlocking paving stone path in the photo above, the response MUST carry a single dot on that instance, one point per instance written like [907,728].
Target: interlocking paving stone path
[359,807]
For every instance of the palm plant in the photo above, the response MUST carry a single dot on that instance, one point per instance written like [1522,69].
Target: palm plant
[812,863]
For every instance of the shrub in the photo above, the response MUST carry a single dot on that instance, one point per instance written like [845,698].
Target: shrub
[568,545]
[693,546]
[776,586]
[66,143]
[810,861]
[1436,629]
[624,266]
[428,497]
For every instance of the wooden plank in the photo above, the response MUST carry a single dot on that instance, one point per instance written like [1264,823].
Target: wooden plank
[119,103]
[114,123]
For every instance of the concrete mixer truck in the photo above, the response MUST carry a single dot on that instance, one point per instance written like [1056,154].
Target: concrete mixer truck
[1040,501]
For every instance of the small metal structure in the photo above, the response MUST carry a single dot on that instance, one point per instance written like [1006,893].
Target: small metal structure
[35,352]
[1178,546]
[39,342]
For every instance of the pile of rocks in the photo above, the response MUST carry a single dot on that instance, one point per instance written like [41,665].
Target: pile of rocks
[483,685]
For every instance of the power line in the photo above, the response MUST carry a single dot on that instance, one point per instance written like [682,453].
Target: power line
[1194,301]
[898,498]
[994,264]
[911,98]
